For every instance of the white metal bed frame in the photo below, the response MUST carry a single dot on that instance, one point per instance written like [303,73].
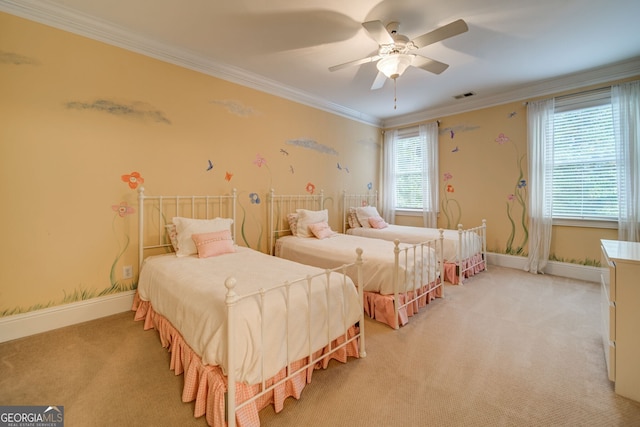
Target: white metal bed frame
[281,205]
[465,236]
[208,207]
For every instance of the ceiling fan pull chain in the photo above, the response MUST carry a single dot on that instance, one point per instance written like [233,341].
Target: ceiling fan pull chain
[395,94]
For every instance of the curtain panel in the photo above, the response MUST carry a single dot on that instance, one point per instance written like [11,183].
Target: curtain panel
[540,158]
[625,102]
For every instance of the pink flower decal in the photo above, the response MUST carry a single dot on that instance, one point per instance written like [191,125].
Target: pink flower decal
[511,197]
[310,188]
[502,138]
[133,179]
[447,176]
[259,161]
[123,209]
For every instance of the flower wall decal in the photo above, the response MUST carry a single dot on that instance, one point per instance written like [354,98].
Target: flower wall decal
[450,206]
[123,209]
[517,199]
[254,198]
[310,188]
[261,161]
[133,179]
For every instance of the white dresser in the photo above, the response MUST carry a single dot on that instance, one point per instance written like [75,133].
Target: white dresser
[621,315]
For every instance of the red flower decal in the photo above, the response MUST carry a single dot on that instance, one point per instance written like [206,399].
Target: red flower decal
[133,179]
[310,188]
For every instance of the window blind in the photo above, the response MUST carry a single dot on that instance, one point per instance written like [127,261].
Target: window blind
[408,164]
[584,169]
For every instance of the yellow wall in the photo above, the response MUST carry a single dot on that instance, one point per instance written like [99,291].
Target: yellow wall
[78,114]
[484,153]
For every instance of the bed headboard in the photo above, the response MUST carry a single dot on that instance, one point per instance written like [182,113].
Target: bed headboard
[283,204]
[354,201]
[155,212]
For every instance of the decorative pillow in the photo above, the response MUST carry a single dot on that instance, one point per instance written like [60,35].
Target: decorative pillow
[352,218]
[377,222]
[321,230]
[173,235]
[364,213]
[214,243]
[186,227]
[306,217]
[292,218]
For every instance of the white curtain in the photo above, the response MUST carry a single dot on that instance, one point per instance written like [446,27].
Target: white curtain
[625,102]
[540,159]
[389,176]
[429,136]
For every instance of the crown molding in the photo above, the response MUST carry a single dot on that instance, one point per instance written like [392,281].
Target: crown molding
[606,74]
[67,19]
[64,18]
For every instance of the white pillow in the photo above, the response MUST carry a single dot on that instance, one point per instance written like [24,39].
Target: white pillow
[306,217]
[364,213]
[187,227]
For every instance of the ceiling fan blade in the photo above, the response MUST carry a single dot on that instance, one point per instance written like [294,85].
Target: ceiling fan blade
[379,81]
[378,32]
[356,62]
[444,32]
[428,64]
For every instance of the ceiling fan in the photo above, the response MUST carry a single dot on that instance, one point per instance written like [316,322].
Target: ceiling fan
[396,52]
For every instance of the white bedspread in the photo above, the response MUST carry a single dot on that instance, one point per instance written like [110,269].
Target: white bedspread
[410,234]
[190,293]
[378,259]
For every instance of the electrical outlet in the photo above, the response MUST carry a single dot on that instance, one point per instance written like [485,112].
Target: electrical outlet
[127,272]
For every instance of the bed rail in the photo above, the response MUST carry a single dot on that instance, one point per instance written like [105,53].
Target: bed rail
[161,209]
[233,300]
[409,272]
[282,205]
[477,261]
[356,200]
[409,269]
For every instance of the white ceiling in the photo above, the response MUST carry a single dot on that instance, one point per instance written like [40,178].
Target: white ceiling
[514,49]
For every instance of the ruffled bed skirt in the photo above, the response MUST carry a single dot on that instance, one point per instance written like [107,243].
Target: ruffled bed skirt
[206,385]
[381,307]
[470,266]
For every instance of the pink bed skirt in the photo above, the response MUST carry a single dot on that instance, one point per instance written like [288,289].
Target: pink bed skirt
[206,384]
[381,307]
[470,266]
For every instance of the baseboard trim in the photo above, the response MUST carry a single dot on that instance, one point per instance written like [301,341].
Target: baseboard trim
[35,322]
[554,268]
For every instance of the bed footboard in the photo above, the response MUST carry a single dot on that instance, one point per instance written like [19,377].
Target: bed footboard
[314,356]
[418,272]
[472,251]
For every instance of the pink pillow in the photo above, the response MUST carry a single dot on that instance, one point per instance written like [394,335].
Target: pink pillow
[214,243]
[377,222]
[321,230]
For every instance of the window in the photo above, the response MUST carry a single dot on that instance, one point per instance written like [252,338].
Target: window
[584,159]
[408,169]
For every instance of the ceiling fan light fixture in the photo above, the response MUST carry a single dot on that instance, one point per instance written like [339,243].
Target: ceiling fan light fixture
[393,66]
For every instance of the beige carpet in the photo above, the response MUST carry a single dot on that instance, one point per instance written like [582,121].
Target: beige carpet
[506,349]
